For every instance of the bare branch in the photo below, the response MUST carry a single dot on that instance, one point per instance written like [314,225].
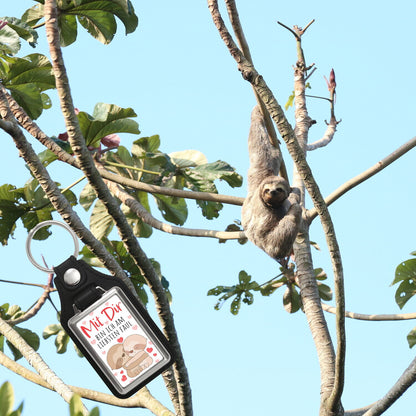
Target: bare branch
[250,74]
[142,399]
[36,361]
[241,39]
[148,218]
[352,183]
[403,383]
[180,392]
[372,317]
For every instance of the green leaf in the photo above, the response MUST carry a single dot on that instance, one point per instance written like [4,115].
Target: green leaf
[325,292]
[219,170]
[406,274]
[320,274]
[23,29]
[10,210]
[173,209]
[6,399]
[61,342]
[244,278]
[87,197]
[188,158]
[30,337]
[235,305]
[291,299]
[9,41]
[33,15]
[411,338]
[290,100]
[101,223]
[68,29]
[75,406]
[97,16]
[139,227]
[26,79]
[51,330]
[106,119]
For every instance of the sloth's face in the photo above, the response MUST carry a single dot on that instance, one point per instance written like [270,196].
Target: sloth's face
[274,193]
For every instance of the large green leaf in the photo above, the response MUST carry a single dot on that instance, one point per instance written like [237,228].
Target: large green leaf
[106,119]
[406,275]
[30,205]
[9,41]
[173,209]
[23,29]
[101,222]
[10,210]
[26,79]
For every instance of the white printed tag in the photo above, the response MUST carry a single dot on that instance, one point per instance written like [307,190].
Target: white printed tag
[120,341]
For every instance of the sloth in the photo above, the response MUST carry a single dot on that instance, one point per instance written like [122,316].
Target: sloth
[271,213]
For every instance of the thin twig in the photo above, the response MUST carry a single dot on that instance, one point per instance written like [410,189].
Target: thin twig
[352,183]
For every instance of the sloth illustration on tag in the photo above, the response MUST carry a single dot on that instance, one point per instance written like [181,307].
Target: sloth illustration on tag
[118,340]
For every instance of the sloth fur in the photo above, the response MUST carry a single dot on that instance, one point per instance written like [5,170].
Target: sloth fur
[271,213]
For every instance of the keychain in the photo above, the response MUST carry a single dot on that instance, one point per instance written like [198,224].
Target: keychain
[107,323]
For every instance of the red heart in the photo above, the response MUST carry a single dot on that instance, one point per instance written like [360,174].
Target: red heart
[124,378]
[149,349]
[121,372]
[120,339]
[154,355]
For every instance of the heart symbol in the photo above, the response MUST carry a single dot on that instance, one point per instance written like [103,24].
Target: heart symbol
[154,355]
[135,327]
[93,342]
[124,378]
[122,371]
[116,374]
[120,340]
[149,349]
[102,352]
[129,317]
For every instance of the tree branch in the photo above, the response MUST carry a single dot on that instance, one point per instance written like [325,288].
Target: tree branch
[241,39]
[250,74]
[142,399]
[180,393]
[352,183]
[403,383]
[148,218]
[372,317]
[36,361]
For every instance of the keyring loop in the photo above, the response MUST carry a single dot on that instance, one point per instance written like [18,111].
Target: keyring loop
[46,224]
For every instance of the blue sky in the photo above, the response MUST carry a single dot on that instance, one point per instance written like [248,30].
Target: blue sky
[179,78]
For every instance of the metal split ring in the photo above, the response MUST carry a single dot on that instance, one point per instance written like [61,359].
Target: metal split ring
[46,224]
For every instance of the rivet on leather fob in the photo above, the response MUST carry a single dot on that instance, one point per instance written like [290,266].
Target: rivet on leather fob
[109,325]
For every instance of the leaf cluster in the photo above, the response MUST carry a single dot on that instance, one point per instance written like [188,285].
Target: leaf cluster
[27,203]
[244,290]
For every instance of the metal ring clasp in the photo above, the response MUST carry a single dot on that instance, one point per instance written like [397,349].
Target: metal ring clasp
[46,224]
